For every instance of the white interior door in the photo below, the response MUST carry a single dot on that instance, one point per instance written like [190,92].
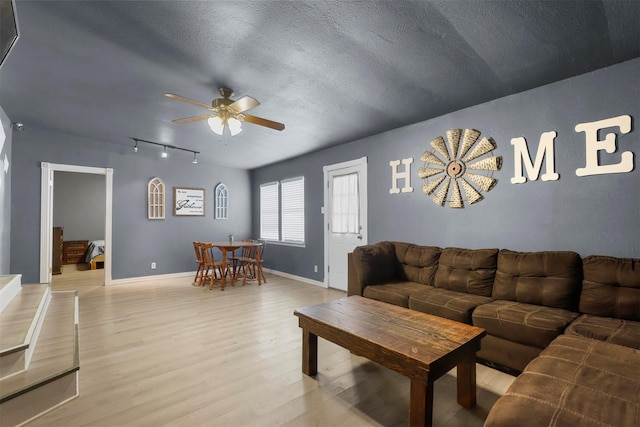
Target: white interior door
[345,217]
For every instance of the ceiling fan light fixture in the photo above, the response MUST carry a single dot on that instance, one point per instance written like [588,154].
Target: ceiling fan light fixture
[216,125]
[226,112]
[235,126]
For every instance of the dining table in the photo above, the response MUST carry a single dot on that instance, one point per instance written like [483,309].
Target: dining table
[227,247]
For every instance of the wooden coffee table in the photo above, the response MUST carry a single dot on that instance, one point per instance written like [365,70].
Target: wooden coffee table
[418,345]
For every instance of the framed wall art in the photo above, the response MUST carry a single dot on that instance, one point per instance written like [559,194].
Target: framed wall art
[188,201]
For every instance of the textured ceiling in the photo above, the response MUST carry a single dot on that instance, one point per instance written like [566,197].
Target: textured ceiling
[332,71]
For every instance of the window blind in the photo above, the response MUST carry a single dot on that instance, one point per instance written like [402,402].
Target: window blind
[293,210]
[269,212]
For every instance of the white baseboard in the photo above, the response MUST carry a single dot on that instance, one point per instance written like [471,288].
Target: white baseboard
[193,273]
[154,277]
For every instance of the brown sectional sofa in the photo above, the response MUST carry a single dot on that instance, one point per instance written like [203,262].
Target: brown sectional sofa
[568,327]
[575,381]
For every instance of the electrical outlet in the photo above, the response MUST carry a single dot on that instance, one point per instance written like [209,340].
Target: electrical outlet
[153,265]
[315,268]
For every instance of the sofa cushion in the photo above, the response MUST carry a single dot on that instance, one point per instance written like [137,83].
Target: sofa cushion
[375,264]
[393,293]
[534,325]
[611,287]
[615,331]
[452,305]
[417,263]
[574,382]
[501,353]
[552,279]
[467,270]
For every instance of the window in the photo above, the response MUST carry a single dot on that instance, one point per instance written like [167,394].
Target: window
[222,200]
[269,215]
[155,199]
[345,215]
[282,211]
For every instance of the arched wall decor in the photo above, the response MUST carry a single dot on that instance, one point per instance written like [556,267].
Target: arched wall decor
[447,170]
[155,199]
[221,210]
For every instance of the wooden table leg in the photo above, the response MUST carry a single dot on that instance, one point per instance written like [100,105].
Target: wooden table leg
[309,353]
[421,403]
[467,381]
[223,278]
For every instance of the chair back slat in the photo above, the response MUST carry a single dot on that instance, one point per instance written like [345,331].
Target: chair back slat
[197,247]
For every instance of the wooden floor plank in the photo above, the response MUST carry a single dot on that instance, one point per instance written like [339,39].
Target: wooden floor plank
[164,352]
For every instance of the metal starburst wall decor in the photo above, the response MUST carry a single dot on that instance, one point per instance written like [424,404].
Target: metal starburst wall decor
[460,169]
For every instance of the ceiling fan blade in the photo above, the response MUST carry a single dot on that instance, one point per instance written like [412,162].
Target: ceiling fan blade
[189,101]
[263,122]
[192,119]
[243,104]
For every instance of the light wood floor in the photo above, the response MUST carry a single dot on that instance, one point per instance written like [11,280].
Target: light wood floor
[164,352]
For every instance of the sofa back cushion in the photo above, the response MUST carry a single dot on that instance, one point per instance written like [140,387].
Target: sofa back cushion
[375,264]
[467,270]
[417,263]
[611,287]
[551,279]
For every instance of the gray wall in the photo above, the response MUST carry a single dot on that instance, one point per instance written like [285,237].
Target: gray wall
[137,241]
[79,205]
[5,196]
[590,215]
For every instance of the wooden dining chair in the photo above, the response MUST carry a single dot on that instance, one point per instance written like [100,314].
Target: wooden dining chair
[260,258]
[214,271]
[248,264]
[199,272]
[235,259]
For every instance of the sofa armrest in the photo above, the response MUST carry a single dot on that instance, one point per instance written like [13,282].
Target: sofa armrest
[354,287]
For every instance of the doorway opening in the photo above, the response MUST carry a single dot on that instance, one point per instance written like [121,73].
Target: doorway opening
[46,215]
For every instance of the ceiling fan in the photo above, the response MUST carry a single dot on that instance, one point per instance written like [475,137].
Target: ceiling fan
[226,111]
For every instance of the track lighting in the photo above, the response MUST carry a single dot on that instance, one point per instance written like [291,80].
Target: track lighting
[164,153]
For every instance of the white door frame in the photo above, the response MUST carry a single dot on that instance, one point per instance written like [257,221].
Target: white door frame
[46,215]
[362,162]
